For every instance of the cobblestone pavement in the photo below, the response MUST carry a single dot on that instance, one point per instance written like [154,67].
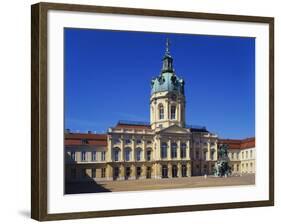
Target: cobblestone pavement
[157,184]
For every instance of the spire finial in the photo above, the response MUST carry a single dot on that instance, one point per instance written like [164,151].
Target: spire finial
[168,45]
[167,60]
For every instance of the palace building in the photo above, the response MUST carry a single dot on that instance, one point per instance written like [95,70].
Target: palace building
[166,147]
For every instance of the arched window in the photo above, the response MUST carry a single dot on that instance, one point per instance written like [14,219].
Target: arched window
[205,155]
[173,112]
[212,154]
[174,150]
[148,155]
[138,155]
[183,150]
[161,112]
[116,154]
[127,154]
[164,150]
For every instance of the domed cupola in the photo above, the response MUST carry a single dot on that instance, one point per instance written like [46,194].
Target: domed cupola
[167,80]
[167,100]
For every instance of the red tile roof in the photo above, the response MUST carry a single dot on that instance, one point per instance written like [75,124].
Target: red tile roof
[239,144]
[91,139]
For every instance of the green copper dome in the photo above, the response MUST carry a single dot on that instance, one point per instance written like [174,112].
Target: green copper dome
[167,80]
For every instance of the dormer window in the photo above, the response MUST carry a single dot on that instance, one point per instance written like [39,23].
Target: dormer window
[85,141]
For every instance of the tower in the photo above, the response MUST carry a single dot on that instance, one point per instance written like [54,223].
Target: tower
[167,100]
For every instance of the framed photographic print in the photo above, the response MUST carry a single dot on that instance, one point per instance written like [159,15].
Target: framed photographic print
[139,111]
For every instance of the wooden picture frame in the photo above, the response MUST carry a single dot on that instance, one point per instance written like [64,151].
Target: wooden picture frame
[39,110]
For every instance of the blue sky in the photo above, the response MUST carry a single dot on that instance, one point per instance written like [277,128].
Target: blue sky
[108,74]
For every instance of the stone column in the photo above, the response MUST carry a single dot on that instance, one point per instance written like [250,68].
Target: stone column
[133,158]
[168,112]
[169,149]
[156,170]
[178,149]
[157,152]
[179,170]
[187,150]
[209,151]
[169,170]
[216,152]
[188,169]
[143,172]
[122,149]
[179,112]
[144,150]
[122,172]
[109,149]
[133,172]
[109,172]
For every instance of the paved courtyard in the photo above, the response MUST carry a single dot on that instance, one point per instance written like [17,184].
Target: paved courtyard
[157,184]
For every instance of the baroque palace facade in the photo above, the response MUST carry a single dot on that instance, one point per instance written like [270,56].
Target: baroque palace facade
[164,148]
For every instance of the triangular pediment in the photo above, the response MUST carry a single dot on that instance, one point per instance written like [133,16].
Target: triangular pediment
[174,129]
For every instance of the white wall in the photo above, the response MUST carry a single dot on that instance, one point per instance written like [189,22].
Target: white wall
[15,110]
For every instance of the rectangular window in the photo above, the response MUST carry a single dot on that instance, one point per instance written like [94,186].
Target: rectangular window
[73,156]
[102,172]
[94,173]
[183,151]
[103,156]
[174,150]
[94,155]
[138,141]
[83,156]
